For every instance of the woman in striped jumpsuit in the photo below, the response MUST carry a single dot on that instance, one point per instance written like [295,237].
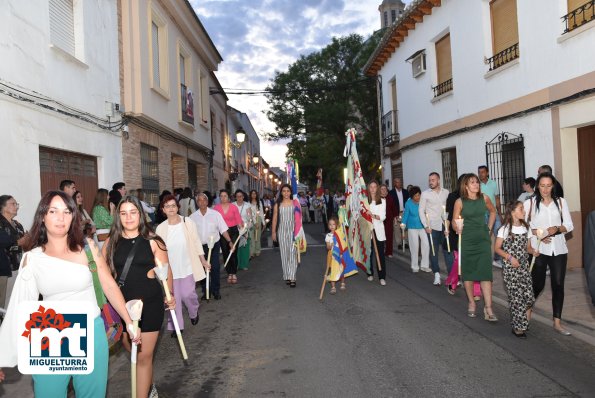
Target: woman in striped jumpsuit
[283,227]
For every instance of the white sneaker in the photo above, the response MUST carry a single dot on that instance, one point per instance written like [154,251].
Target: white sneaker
[425,269]
[437,281]
[415,270]
[382,282]
[370,278]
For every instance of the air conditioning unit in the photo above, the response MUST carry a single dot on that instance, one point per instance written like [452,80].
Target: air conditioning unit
[418,64]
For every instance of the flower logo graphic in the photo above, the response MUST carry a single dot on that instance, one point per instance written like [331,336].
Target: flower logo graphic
[43,319]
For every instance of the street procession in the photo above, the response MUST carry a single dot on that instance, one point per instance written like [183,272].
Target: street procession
[388,217]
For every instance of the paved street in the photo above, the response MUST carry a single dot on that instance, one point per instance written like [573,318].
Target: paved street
[408,339]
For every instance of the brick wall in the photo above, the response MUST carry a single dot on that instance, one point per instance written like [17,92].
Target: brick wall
[179,171]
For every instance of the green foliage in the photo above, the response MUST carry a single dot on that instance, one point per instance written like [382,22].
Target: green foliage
[317,99]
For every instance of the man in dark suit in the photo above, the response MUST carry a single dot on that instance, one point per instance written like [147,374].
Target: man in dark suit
[328,209]
[399,196]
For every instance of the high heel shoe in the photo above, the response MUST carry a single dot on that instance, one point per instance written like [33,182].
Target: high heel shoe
[471,312]
[488,317]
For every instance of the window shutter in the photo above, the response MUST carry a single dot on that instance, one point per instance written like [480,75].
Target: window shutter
[62,24]
[155,46]
[443,59]
[574,4]
[505,31]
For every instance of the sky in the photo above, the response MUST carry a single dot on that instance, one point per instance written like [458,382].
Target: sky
[258,37]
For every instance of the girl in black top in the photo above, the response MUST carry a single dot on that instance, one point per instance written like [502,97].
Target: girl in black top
[130,229]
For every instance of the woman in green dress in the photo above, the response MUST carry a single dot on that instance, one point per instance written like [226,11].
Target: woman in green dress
[476,252]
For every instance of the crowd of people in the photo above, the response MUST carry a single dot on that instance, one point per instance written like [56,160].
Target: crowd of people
[128,238]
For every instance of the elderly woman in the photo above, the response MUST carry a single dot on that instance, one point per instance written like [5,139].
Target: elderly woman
[12,239]
[56,266]
[186,259]
[231,215]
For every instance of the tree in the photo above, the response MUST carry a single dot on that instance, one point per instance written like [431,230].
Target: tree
[317,99]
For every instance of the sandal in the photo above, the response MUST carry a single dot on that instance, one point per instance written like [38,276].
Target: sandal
[471,312]
[234,279]
[292,284]
[333,290]
[343,287]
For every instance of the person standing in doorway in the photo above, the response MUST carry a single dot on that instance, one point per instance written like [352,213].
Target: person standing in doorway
[432,205]
[490,187]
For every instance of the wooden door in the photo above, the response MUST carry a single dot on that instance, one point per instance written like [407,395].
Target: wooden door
[56,165]
[586,166]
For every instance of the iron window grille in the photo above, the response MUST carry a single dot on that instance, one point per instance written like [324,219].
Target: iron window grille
[505,158]
[503,57]
[149,159]
[390,132]
[579,17]
[443,88]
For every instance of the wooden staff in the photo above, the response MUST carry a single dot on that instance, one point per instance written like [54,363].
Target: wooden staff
[328,266]
[242,231]
[431,239]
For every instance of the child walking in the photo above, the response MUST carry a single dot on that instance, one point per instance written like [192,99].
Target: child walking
[339,258]
[514,246]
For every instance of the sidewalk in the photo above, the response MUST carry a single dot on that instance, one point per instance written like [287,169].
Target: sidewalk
[578,315]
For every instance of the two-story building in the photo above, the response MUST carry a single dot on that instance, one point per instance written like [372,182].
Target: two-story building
[59,94]
[166,64]
[246,167]
[505,83]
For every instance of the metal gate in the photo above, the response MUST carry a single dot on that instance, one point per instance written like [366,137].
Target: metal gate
[505,158]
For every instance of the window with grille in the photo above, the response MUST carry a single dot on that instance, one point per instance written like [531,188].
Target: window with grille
[443,66]
[505,32]
[449,169]
[150,172]
[393,15]
[505,158]
[62,25]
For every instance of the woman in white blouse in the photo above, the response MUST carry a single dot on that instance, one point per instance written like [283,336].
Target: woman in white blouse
[378,209]
[548,214]
[244,244]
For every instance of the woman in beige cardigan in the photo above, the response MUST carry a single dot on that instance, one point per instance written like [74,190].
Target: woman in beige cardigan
[186,257]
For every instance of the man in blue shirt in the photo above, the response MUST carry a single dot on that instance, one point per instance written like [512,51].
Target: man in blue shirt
[490,188]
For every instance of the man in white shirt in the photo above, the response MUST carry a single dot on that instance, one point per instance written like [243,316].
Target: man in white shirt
[210,223]
[431,208]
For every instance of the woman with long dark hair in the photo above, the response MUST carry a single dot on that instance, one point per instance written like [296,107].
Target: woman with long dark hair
[378,210]
[284,223]
[258,223]
[244,243]
[548,213]
[132,237]
[476,243]
[56,266]
[232,218]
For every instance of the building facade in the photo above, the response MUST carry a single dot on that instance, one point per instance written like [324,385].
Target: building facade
[246,166]
[511,86]
[59,92]
[166,64]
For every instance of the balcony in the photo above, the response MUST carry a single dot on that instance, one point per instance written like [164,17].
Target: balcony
[390,131]
[577,18]
[442,88]
[504,57]
[187,101]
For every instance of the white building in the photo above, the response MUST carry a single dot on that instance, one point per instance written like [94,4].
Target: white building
[58,86]
[511,85]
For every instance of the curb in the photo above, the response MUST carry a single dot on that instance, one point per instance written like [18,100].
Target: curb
[536,316]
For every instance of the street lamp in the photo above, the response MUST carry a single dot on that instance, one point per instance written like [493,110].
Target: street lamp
[255,159]
[265,170]
[240,138]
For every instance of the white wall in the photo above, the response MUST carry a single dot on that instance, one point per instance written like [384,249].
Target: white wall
[84,83]
[544,61]
[419,161]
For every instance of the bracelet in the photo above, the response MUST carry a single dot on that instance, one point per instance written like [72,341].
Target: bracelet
[509,258]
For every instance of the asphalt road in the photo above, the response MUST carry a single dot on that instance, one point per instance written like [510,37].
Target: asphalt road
[406,339]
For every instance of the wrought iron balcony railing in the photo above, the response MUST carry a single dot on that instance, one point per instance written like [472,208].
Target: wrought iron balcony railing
[442,88]
[390,132]
[504,57]
[579,17]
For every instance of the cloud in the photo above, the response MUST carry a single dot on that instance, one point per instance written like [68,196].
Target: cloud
[258,37]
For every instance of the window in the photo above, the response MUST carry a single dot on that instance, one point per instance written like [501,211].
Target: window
[203,88]
[149,161]
[579,12]
[186,95]
[449,169]
[62,25]
[385,19]
[505,32]
[158,54]
[505,158]
[393,15]
[443,66]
